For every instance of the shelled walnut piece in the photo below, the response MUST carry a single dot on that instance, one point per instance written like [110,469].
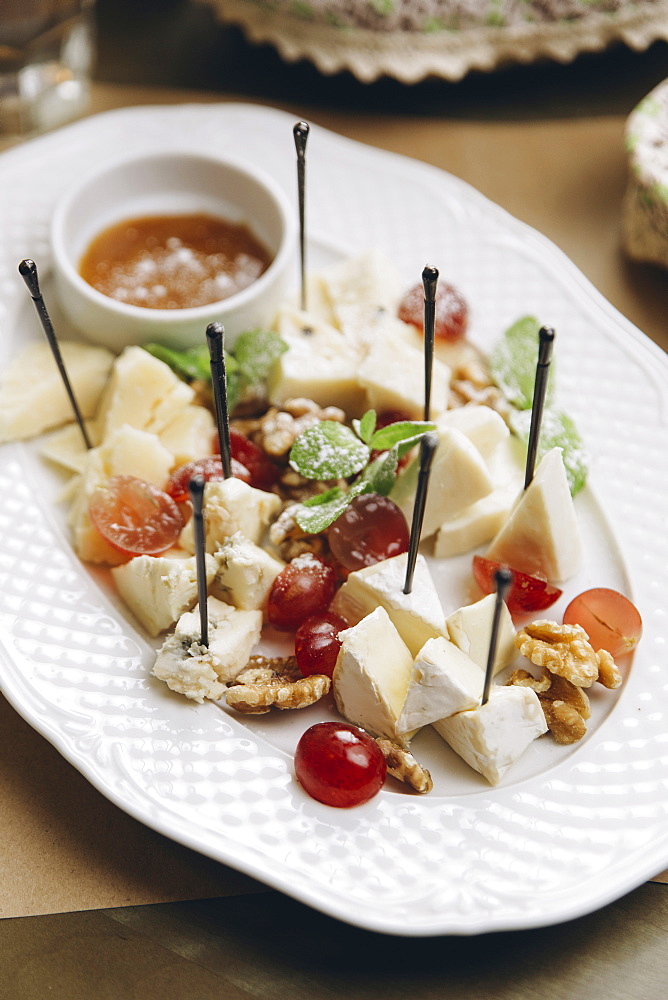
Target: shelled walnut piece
[401,764]
[274,682]
[569,664]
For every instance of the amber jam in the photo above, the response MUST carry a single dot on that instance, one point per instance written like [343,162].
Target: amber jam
[173,262]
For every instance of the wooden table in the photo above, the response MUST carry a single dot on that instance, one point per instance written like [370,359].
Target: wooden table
[547,144]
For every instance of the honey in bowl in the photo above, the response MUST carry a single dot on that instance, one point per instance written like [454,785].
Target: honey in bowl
[173,262]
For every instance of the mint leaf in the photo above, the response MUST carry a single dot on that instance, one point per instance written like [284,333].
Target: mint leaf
[318,512]
[365,427]
[402,430]
[380,475]
[558,430]
[189,365]
[255,352]
[513,363]
[328,450]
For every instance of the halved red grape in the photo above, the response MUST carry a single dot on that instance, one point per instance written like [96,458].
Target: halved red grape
[135,516]
[526,593]
[305,587]
[317,643]
[371,528]
[263,474]
[452,312]
[610,620]
[339,764]
[210,468]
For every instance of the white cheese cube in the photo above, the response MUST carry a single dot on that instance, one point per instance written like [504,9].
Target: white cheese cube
[370,282]
[201,672]
[541,536]
[189,435]
[492,737]
[128,451]
[459,477]
[230,505]
[66,447]
[32,394]
[158,589]
[244,573]
[372,674]
[143,392]
[484,427]
[443,681]
[319,364]
[470,628]
[392,374]
[417,616]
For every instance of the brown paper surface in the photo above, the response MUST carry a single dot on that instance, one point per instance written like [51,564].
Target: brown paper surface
[64,847]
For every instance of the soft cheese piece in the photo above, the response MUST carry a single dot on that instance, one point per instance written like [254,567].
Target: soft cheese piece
[231,505]
[143,392]
[492,737]
[189,435]
[201,672]
[541,536]
[159,589]
[392,374]
[372,674]
[244,573]
[369,283]
[470,628]
[443,681]
[32,395]
[482,425]
[481,521]
[417,616]
[320,364]
[459,477]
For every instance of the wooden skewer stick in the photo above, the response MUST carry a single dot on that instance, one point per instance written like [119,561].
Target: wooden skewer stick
[429,281]
[215,335]
[28,271]
[301,133]
[196,490]
[503,579]
[428,446]
[545,345]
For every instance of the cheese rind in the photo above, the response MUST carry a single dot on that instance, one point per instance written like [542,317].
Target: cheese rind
[417,616]
[541,536]
[470,628]
[492,737]
[443,681]
[372,674]
[158,590]
[200,672]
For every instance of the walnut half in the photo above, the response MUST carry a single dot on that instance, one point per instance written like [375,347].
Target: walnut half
[401,764]
[276,682]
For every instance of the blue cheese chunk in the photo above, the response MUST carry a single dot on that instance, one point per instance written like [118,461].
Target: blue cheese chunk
[232,506]
[244,573]
[159,589]
[197,671]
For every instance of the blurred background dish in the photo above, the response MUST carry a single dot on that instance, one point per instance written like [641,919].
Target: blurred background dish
[411,40]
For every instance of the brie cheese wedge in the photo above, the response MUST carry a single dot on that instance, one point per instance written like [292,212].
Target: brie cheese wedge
[492,737]
[417,616]
[541,537]
[372,674]
[197,671]
[443,681]
[470,628]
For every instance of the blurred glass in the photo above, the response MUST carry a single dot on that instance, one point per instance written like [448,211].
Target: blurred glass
[47,49]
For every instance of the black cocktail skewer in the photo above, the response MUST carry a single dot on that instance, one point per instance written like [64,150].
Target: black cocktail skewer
[503,579]
[215,336]
[428,446]
[429,281]
[300,133]
[28,271]
[545,345]
[196,490]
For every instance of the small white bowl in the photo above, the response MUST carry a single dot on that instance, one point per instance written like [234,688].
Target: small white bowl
[171,183]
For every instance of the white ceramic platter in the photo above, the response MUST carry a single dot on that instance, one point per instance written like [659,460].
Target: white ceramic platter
[570,828]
